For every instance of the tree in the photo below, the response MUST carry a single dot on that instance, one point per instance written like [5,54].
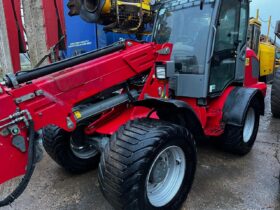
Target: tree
[35,30]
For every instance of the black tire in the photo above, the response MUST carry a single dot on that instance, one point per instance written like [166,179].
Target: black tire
[233,139]
[275,95]
[128,157]
[57,144]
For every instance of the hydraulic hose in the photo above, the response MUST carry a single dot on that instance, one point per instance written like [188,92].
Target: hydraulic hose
[29,171]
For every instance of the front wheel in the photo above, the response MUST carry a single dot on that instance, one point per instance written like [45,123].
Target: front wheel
[148,164]
[240,139]
[70,150]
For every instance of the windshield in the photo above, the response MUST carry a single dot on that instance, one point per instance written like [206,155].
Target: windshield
[188,29]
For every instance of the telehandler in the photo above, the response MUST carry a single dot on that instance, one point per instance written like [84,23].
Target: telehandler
[135,109]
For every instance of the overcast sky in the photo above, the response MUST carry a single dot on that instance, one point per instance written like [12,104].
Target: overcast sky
[267,8]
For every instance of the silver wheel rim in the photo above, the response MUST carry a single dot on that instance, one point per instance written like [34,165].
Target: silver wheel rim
[166,176]
[249,125]
[83,151]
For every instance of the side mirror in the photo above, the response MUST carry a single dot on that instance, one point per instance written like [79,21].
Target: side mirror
[277,29]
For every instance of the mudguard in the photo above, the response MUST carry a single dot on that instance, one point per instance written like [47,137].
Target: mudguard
[237,103]
[175,111]
[159,103]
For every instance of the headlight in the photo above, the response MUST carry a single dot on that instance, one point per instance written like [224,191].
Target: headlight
[161,72]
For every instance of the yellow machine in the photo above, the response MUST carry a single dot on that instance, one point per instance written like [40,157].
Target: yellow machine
[267,54]
[265,50]
[127,16]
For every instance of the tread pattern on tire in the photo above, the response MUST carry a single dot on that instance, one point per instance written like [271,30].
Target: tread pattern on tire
[57,144]
[275,95]
[120,166]
[232,139]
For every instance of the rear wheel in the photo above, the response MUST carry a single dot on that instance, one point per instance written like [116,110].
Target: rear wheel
[70,150]
[240,139]
[148,164]
[275,95]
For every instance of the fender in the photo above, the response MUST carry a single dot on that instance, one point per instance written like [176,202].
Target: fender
[237,104]
[176,112]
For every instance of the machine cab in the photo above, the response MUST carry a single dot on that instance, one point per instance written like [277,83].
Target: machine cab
[209,44]
[254,34]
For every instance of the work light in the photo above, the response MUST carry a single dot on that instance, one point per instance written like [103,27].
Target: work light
[161,72]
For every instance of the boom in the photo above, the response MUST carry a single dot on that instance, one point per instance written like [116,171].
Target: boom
[52,94]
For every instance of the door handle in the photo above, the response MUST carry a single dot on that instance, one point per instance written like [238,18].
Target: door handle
[213,43]
[243,53]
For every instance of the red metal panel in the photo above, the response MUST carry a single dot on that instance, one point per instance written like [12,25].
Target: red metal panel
[12,161]
[15,32]
[17,10]
[249,79]
[53,14]
[60,8]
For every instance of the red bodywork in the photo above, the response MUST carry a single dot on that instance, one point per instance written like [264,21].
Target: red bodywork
[15,31]
[65,89]
[53,15]
[250,80]
[210,116]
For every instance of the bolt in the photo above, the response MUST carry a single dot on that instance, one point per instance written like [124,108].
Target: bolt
[70,124]
[15,131]
[167,50]
[4,132]
[178,161]
[39,92]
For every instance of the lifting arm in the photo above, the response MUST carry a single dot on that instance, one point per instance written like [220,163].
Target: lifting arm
[54,94]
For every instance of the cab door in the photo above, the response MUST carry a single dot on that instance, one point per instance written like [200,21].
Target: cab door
[229,50]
